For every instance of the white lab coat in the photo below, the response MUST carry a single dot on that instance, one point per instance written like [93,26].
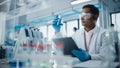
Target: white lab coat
[100,45]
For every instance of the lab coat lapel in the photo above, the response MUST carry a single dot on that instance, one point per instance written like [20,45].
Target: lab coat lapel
[81,40]
[93,41]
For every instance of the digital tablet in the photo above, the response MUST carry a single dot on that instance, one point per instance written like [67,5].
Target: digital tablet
[67,43]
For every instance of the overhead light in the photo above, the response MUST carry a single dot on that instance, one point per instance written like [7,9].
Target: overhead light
[79,1]
[21,3]
[31,1]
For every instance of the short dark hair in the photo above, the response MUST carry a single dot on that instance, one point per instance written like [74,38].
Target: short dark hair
[94,10]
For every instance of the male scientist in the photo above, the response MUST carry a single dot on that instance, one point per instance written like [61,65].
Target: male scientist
[92,40]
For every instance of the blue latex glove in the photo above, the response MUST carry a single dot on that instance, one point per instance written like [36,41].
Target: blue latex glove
[57,24]
[81,54]
[56,27]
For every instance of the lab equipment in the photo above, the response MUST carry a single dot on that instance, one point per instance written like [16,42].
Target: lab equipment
[17,27]
[81,54]
[9,53]
[10,42]
[2,52]
[27,32]
[16,63]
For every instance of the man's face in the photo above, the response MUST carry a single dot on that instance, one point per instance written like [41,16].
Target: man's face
[87,18]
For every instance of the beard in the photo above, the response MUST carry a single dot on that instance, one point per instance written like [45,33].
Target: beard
[88,23]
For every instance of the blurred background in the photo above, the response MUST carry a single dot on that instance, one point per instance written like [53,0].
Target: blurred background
[26,30]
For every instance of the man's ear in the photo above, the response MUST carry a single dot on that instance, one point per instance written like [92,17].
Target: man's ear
[95,17]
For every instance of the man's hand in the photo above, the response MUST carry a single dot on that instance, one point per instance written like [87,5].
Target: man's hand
[56,27]
[57,24]
[81,54]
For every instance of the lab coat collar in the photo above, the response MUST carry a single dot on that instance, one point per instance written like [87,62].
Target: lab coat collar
[94,30]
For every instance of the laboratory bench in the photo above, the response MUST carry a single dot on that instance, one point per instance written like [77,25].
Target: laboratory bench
[61,62]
